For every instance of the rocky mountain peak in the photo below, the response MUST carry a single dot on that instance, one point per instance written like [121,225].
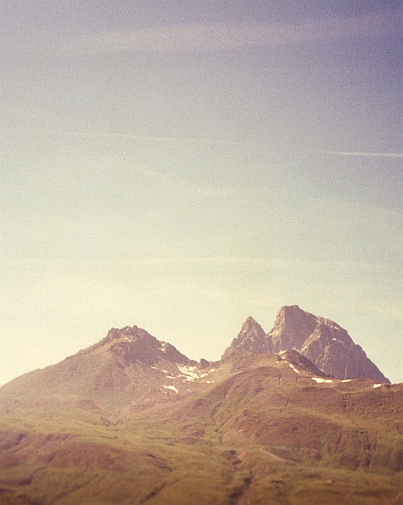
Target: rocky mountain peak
[291,328]
[252,338]
[324,342]
[133,344]
[321,340]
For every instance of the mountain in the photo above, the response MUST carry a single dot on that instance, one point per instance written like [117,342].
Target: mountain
[131,420]
[128,366]
[324,342]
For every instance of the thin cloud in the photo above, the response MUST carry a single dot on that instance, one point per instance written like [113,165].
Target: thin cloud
[212,37]
[129,136]
[356,153]
[196,140]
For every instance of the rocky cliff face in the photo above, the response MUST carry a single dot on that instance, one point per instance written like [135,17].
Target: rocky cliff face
[322,341]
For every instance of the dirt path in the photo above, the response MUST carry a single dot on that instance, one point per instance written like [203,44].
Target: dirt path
[279,458]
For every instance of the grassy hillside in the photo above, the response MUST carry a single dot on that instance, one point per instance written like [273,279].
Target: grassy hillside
[262,431]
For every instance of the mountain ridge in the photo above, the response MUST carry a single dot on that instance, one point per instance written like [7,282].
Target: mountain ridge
[132,420]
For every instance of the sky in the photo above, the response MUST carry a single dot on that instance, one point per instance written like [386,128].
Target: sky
[182,165]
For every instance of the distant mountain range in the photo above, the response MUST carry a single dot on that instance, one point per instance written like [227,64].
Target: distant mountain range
[299,415]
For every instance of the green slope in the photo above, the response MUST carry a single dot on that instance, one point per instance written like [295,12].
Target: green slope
[263,432]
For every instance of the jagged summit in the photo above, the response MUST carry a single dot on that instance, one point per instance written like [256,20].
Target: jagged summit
[322,341]
[291,328]
[251,338]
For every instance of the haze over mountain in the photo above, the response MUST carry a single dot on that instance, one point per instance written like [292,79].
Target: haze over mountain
[133,420]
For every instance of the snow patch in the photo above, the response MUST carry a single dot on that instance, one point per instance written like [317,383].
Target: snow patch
[210,382]
[187,378]
[173,388]
[188,372]
[293,367]
[376,386]
[346,380]
[170,377]
[319,380]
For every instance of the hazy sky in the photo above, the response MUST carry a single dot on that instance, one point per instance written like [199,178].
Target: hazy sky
[181,165]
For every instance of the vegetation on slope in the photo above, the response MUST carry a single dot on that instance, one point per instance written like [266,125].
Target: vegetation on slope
[263,432]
